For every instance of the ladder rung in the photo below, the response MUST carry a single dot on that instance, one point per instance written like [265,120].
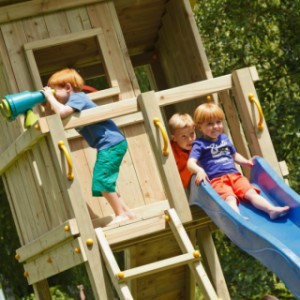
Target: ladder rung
[158,266]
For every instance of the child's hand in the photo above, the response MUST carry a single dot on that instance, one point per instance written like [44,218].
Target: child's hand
[47,91]
[249,163]
[201,176]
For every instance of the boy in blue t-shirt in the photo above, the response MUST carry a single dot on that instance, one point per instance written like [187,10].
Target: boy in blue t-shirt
[212,159]
[103,136]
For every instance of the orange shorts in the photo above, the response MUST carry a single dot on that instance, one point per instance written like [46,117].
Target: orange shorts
[234,184]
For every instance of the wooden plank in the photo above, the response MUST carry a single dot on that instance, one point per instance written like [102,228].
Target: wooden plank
[213,268]
[35,28]
[39,202]
[149,221]
[51,239]
[166,164]
[236,130]
[259,141]
[21,201]
[199,56]
[13,209]
[112,266]
[57,209]
[7,84]
[15,37]
[159,266]
[99,95]
[109,110]
[37,7]
[84,159]
[107,61]
[123,47]
[146,169]
[35,207]
[128,106]
[122,121]
[194,90]
[165,283]
[62,38]
[128,184]
[55,261]
[24,142]
[78,19]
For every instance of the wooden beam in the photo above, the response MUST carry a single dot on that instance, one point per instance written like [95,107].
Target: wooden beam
[259,140]
[165,162]
[51,239]
[162,265]
[55,261]
[23,143]
[37,7]
[129,106]
[194,90]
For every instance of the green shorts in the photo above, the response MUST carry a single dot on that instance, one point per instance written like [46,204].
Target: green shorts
[107,168]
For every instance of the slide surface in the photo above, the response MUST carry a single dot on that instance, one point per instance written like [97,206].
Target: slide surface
[276,244]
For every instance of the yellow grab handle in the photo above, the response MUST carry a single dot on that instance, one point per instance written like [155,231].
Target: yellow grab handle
[62,147]
[261,115]
[164,134]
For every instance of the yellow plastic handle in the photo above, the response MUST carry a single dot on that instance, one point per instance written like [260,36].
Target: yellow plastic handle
[261,115]
[62,147]
[164,134]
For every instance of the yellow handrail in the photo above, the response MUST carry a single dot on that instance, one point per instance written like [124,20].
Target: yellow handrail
[261,115]
[62,147]
[164,134]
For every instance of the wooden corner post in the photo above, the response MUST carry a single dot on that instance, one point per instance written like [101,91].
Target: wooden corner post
[159,141]
[251,115]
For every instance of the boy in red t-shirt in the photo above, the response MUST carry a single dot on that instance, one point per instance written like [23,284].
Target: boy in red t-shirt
[182,130]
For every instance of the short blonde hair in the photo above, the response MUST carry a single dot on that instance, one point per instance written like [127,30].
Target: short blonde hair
[207,112]
[71,76]
[180,120]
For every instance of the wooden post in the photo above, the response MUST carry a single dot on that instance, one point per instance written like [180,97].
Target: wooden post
[166,163]
[259,141]
[214,269]
[73,194]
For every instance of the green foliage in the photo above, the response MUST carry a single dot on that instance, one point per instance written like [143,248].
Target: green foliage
[265,34]
[246,277]
[56,294]
[11,275]
[238,34]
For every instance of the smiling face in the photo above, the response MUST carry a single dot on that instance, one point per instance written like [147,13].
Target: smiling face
[211,129]
[184,137]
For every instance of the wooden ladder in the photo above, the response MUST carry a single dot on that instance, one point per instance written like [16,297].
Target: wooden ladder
[190,256]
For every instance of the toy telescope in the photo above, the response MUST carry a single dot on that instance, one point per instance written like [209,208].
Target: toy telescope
[15,104]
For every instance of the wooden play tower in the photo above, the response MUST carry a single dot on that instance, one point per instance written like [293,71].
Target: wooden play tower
[47,168]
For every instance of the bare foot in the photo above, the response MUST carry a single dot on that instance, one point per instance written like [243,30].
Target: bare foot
[131,215]
[279,212]
[118,219]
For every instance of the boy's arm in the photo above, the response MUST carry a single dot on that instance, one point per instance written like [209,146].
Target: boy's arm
[196,169]
[241,160]
[57,107]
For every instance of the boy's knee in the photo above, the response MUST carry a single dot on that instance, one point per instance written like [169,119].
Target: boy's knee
[231,200]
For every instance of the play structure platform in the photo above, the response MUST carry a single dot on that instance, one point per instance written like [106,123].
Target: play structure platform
[47,167]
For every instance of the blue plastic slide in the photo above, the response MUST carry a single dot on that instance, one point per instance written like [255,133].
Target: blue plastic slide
[276,244]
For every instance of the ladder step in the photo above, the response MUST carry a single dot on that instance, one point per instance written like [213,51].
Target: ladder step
[161,265]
